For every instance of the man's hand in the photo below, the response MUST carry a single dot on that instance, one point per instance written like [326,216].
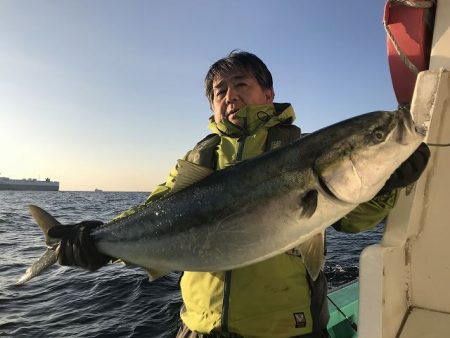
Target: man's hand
[77,246]
[410,170]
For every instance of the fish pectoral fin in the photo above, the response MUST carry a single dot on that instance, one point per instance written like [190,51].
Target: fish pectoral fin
[308,203]
[188,174]
[155,274]
[313,256]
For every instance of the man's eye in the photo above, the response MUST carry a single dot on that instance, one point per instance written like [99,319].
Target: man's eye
[220,93]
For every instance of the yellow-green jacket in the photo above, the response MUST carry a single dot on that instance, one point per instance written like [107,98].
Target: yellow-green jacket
[271,298]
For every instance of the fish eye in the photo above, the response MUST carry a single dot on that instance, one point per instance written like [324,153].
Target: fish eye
[378,134]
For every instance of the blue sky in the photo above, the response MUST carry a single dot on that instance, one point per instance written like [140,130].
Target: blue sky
[108,94]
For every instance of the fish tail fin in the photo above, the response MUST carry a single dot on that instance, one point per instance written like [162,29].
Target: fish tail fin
[47,259]
[45,222]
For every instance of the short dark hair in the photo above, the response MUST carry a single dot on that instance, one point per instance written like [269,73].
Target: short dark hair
[241,60]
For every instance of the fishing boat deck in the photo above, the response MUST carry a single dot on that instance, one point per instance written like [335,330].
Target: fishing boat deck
[346,299]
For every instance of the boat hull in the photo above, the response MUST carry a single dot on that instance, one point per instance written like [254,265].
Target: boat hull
[28,185]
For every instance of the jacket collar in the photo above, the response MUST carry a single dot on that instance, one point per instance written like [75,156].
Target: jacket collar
[253,118]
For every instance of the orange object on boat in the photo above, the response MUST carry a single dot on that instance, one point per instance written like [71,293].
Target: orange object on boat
[409,27]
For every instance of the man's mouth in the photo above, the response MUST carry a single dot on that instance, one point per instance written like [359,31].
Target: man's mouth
[231,113]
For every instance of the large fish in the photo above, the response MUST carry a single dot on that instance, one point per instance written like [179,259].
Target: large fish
[261,207]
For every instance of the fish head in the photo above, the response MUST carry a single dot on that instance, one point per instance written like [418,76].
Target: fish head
[370,148]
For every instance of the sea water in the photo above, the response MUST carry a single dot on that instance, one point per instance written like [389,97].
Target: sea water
[115,301]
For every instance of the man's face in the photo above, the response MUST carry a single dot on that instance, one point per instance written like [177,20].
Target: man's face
[235,90]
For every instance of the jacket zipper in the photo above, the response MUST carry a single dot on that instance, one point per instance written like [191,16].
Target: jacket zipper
[241,142]
[227,281]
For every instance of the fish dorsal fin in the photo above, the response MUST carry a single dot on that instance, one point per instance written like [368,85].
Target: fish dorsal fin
[313,256]
[45,222]
[188,174]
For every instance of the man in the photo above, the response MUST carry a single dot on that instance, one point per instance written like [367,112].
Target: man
[276,297]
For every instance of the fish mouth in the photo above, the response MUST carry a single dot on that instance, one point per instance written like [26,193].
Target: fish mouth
[407,129]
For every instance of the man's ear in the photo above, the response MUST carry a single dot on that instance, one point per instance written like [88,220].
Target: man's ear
[269,94]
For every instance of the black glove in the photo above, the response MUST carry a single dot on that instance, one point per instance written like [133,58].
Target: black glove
[409,171]
[77,246]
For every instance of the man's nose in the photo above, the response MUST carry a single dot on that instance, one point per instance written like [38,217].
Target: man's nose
[231,95]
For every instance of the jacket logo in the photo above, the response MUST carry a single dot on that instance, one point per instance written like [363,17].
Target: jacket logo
[275,145]
[300,319]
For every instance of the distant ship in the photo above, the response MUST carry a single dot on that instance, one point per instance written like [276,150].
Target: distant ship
[30,184]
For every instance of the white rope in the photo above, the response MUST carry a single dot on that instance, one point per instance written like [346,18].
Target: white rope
[412,67]
[416,4]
